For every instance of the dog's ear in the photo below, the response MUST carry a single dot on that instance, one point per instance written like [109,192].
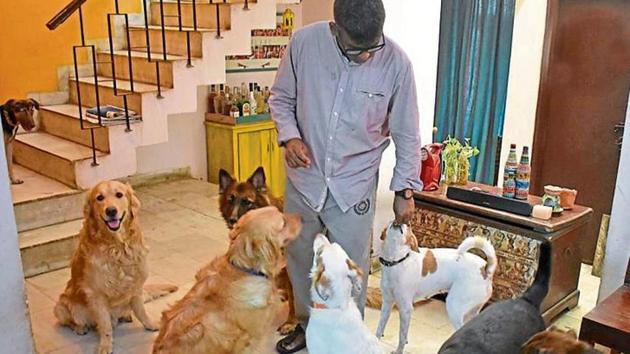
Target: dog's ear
[258,179]
[88,213]
[356,275]
[321,283]
[34,103]
[411,240]
[224,180]
[134,202]
[384,234]
[9,104]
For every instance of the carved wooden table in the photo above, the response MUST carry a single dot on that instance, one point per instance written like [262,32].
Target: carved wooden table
[442,222]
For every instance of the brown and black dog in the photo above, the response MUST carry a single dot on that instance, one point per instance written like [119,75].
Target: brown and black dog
[16,113]
[236,199]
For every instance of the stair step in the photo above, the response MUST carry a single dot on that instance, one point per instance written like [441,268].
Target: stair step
[174,28]
[51,156]
[107,94]
[48,248]
[122,84]
[206,14]
[36,187]
[63,121]
[143,70]
[42,201]
[175,40]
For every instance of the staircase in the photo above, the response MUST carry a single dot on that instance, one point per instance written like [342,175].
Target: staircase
[64,149]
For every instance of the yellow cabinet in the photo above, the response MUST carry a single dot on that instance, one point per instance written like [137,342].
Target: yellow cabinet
[240,149]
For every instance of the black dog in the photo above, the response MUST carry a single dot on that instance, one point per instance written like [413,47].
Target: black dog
[505,326]
[16,113]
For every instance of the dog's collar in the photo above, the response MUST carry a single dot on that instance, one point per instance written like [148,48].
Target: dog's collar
[317,305]
[387,263]
[250,271]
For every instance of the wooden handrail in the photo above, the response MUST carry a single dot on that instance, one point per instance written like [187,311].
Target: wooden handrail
[64,14]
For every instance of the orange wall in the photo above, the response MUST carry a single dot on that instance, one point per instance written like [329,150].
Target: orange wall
[30,53]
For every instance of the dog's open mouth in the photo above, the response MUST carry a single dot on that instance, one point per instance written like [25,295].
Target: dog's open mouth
[114,223]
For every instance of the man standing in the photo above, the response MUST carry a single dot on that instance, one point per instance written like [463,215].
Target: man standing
[341,91]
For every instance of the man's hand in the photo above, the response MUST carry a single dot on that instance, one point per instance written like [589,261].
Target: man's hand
[297,154]
[403,210]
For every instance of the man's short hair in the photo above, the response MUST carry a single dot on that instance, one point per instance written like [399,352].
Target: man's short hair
[362,19]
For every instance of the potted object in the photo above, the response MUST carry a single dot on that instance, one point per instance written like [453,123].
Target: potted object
[450,156]
[431,166]
[567,198]
[463,162]
[552,198]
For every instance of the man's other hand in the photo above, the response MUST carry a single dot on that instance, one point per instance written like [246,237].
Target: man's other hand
[297,154]
[403,210]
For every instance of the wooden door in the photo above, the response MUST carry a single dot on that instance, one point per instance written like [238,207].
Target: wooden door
[583,94]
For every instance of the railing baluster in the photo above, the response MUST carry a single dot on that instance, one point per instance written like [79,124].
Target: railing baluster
[246,6]
[218,7]
[146,29]
[163,29]
[111,49]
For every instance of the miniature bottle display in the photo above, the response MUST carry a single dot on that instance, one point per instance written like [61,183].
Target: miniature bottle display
[522,176]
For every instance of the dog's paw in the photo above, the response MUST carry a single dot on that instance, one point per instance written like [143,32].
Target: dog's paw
[105,348]
[125,319]
[151,326]
[80,330]
[287,328]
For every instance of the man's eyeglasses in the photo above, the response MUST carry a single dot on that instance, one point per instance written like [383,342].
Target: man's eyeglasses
[358,51]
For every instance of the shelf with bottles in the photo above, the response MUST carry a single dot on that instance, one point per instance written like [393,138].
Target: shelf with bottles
[268,47]
[238,105]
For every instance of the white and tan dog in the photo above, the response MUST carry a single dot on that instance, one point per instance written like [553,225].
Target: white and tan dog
[335,324]
[410,274]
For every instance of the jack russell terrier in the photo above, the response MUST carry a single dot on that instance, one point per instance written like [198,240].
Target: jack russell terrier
[335,324]
[410,274]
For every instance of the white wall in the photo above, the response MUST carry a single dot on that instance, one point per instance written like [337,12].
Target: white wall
[618,243]
[524,79]
[186,146]
[415,26]
[316,10]
[15,326]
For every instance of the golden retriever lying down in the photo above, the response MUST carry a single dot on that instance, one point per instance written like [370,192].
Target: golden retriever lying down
[234,306]
[109,267]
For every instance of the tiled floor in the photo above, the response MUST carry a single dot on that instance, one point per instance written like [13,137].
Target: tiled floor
[184,230]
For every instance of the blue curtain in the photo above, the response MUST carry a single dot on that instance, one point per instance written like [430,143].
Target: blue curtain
[473,68]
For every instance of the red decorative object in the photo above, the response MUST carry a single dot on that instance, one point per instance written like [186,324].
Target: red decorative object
[431,166]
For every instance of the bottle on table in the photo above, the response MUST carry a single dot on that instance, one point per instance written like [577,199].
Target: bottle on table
[509,184]
[218,100]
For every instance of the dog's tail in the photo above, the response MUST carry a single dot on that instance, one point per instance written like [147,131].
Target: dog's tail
[155,291]
[537,292]
[484,245]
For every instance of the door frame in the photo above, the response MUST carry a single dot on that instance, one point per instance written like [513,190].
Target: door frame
[540,135]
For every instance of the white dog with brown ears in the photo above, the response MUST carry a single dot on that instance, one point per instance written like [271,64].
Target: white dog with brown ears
[335,324]
[410,274]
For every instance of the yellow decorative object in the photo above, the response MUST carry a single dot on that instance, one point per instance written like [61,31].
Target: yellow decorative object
[288,18]
[240,149]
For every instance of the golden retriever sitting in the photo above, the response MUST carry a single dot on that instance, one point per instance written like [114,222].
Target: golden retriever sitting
[234,306]
[109,266]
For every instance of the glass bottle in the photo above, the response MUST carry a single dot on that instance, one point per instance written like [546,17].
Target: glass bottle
[523,175]
[218,100]
[211,96]
[509,184]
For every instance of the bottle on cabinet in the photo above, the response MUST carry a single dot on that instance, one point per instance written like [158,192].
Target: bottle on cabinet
[211,96]
[522,176]
[253,104]
[218,99]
